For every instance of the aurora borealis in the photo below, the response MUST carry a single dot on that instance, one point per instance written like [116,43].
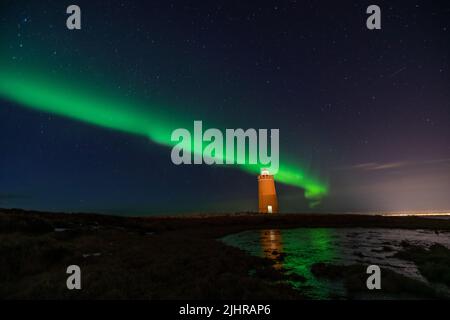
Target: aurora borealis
[59,99]
[362,116]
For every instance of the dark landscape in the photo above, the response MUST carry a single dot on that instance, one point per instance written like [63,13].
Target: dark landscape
[183,257]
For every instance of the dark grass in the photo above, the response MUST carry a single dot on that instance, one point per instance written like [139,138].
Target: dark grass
[152,258]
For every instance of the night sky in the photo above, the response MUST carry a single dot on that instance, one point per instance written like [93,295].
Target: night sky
[363,114]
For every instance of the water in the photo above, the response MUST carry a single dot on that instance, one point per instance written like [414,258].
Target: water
[304,247]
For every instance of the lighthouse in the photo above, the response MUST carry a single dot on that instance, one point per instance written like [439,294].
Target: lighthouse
[267,195]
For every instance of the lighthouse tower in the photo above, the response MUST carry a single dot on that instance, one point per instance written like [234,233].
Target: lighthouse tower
[267,195]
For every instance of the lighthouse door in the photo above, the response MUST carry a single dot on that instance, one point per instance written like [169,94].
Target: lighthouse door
[269,209]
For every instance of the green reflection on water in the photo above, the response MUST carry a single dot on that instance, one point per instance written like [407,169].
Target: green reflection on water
[301,249]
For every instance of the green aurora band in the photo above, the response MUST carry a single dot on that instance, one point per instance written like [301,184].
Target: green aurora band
[38,92]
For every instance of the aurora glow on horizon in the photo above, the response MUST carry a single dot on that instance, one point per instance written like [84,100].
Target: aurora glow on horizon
[38,92]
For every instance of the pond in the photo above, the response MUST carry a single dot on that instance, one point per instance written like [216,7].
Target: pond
[303,247]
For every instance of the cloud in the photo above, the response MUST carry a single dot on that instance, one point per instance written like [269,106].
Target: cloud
[392,186]
[372,166]
[375,166]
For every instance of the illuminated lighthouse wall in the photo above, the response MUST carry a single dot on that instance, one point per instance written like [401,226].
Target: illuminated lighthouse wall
[267,195]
